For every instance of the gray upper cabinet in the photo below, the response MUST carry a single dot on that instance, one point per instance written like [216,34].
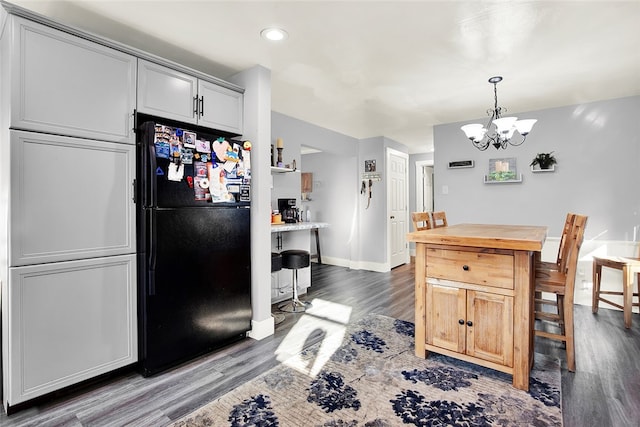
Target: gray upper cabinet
[169,93]
[221,108]
[66,85]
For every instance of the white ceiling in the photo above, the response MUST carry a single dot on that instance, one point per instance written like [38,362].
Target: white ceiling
[391,68]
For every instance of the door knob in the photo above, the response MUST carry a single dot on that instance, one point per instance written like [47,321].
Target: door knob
[469,323]
[461,321]
[465,267]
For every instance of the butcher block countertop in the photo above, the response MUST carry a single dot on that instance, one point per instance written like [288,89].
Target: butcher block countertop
[516,237]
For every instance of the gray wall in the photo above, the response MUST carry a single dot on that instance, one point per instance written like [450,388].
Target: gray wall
[597,146]
[373,220]
[357,236]
[334,196]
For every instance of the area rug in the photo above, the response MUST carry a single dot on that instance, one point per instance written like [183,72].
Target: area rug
[374,379]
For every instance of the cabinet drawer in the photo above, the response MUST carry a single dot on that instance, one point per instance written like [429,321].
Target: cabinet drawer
[489,269]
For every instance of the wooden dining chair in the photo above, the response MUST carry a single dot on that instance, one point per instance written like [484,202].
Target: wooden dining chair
[562,285]
[421,221]
[561,258]
[439,219]
[629,266]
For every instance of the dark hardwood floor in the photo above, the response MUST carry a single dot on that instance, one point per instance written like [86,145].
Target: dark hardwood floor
[605,390]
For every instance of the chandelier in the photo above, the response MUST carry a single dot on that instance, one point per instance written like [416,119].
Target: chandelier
[505,127]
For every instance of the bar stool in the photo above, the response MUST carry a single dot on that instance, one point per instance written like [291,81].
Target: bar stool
[294,259]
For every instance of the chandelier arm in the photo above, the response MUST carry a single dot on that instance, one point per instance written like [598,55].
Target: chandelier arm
[519,143]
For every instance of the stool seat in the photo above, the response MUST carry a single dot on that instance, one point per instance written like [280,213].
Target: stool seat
[294,259]
[276,262]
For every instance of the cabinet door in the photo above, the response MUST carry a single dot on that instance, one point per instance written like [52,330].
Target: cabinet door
[71,198]
[68,322]
[66,85]
[166,93]
[445,308]
[221,108]
[490,336]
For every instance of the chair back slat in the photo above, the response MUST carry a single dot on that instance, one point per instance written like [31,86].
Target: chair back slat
[421,221]
[561,259]
[574,241]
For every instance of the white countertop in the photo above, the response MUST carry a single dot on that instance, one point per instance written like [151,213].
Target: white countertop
[295,226]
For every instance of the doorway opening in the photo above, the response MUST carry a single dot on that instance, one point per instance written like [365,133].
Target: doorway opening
[424,186]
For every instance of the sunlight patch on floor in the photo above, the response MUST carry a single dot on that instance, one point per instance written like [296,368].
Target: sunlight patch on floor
[324,317]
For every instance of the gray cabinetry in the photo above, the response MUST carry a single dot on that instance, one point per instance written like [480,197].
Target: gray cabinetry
[169,93]
[67,217]
[69,321]
[71,198]
[66,85]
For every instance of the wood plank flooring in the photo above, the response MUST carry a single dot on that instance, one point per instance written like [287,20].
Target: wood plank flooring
[605,390]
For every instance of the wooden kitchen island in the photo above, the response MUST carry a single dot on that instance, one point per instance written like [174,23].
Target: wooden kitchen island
[474,294]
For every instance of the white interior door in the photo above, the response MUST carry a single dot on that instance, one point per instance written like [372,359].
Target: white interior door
[398,207]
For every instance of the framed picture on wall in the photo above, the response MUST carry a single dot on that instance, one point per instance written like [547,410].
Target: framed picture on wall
[502,170]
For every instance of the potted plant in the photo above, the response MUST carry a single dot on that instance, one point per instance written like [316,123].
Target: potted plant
[544,160]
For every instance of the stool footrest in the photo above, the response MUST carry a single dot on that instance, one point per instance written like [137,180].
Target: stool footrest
[294,306]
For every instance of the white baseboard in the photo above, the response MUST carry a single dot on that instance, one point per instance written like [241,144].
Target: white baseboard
[357,265]
[262,329]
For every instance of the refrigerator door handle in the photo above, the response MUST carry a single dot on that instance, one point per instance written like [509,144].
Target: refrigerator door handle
[152,253]
[151,179]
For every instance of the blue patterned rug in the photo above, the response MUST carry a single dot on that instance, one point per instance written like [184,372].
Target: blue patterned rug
[373,378]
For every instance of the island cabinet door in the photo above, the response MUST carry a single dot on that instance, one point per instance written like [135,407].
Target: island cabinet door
[446,307]
[490,327]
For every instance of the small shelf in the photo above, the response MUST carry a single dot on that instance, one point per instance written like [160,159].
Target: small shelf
[551,169]
[282,170]
[508,181]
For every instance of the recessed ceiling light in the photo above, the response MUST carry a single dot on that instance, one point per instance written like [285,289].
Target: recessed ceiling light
[273,34]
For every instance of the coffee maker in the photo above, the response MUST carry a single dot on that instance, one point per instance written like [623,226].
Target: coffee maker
[287,208]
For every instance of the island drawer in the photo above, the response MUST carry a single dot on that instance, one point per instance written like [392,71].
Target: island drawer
[478,267]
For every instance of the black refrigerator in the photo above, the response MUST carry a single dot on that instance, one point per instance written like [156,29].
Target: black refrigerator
[194,262]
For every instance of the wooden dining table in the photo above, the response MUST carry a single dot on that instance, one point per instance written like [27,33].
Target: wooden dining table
[474,294]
